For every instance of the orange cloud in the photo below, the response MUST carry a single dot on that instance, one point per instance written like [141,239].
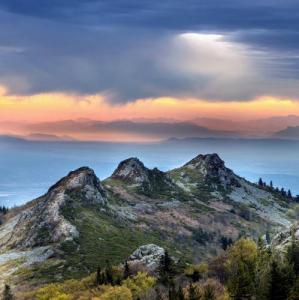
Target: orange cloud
[60,106]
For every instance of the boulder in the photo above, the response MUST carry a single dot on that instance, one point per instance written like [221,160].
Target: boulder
[147,256]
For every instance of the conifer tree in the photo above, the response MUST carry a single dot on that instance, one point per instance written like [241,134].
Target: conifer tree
[283,192]
[7,294]
[180,294]
[108,273]
[261,183]
[293,255]
[100,277]
[166,270]
[127,271]
[281,279]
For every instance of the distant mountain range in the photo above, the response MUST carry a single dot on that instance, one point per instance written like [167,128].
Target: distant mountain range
[82,221]
[36,137]
[132,129]
[259,128]
[152,129]
[288,133]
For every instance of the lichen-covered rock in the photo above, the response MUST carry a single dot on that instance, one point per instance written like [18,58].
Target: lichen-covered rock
[131,170]
[212,167]
[150,181]
[148,256]
[41,222]
[284,238]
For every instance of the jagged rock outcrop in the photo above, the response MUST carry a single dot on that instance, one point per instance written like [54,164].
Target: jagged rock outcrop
[212,167]
[132,171]
[147,256]
[284,238]
[41,222]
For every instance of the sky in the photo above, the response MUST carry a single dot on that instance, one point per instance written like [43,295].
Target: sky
[146,60]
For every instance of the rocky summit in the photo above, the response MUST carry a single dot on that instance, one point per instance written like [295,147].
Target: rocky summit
[132,170]
[134,174]
[82,222]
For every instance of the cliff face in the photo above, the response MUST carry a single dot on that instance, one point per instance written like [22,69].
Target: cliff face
[42,223]
[282,240]
[134,174]
[81,222]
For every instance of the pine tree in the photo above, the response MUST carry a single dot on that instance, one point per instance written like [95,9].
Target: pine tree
[261,183]
[195,276]
[271,185]
[7,294]
[108,273]
[99,277]
[171,291]
[166,271]
[294,293]
[283,192]
[289,194]
[127,271]
[281,279]
[293,255]
[180,294]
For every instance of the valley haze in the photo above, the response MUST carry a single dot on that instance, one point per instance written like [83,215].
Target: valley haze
[32,166]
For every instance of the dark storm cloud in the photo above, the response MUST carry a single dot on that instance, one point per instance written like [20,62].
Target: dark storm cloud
[177,14]
[130,49]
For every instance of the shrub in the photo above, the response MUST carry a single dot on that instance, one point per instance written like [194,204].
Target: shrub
[139,284]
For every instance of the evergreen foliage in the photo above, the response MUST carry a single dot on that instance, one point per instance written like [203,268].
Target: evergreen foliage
[7,294]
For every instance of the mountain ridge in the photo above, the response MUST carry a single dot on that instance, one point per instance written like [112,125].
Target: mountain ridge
[82,221]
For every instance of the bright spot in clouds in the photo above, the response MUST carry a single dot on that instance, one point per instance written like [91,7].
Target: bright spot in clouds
[211,54]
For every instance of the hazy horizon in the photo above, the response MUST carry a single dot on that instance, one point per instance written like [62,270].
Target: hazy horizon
[30,168]
[143,129]
[138,71]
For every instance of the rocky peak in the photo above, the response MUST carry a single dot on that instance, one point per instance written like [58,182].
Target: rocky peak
[211,166]
[208,162]
[131,170]
[148,181]
[83,180]
[77,178]
[43,222]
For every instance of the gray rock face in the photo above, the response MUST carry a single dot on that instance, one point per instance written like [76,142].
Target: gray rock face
[133,172]
[85,180]
[148,256]
[284,238]
[41,222]
[211,166]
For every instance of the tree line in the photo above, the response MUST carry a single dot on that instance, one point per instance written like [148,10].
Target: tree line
[285,193]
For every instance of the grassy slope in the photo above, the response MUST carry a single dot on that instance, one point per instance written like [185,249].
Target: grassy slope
[104,237]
